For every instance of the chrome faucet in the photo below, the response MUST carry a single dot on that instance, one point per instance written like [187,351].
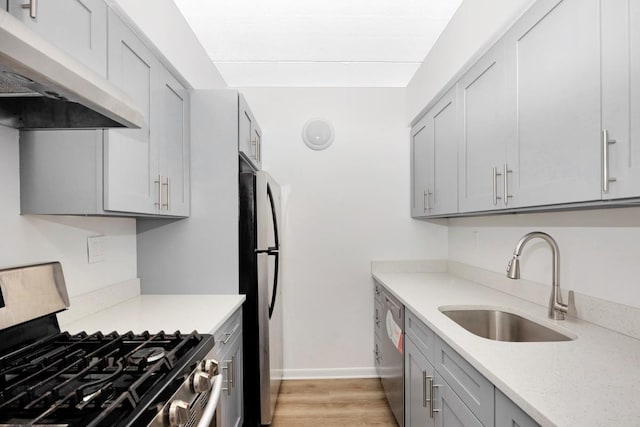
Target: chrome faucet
[557,308]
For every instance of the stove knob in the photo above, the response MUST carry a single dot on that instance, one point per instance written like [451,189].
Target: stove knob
[201,382]
[178,413]
[210,366]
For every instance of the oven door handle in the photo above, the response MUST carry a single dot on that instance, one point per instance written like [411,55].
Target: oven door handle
[210,410]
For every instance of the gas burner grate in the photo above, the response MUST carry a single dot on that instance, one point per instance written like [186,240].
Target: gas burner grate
[89,380]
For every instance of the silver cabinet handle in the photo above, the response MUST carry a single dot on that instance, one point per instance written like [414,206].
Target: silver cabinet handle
[229,380]
[425,399]
[233,371]
[158,182]
[167,184]
[505,173]
[432,394]
[254,144]
[606,179]
[494,177]
[425,202]
[33,8]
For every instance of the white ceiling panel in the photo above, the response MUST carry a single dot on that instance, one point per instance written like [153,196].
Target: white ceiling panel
[240,35]
[317,74]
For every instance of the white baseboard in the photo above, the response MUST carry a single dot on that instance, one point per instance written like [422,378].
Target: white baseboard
[329,373]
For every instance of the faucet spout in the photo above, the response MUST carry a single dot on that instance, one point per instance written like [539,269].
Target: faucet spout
[557,308]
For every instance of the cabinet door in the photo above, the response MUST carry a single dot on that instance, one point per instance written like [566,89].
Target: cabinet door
[508,414]
[418,376]
[231,397]
[444,163]
[249,134]
[621,96]
[451,411]
[172,125]
[421,149]
[131,159]
[79,27]
[553,60]
[483,133]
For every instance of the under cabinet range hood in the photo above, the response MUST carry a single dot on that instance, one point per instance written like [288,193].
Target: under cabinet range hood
[42,87]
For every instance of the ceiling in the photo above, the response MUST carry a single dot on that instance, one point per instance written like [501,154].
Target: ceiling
[317,43]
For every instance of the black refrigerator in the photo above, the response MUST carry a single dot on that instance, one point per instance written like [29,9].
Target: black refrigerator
[260,281]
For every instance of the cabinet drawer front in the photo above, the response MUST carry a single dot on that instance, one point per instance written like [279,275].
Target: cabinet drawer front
[474,389]
[420,334]
[228,332]
[508,414]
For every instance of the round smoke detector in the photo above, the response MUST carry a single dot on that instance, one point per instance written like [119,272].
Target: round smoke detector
[317,134]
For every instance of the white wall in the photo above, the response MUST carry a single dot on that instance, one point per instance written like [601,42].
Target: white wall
[599,249]
[162,22]
[474,24]
[30,239]
[347,205]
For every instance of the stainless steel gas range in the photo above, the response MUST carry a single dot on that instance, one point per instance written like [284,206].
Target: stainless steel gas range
[53,378]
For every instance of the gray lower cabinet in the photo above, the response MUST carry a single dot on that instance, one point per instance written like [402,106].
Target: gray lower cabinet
[418,379]
[249,134]
[78,27]
[508,414]
[228,351]
[442,389]
[131,172]
[434,160]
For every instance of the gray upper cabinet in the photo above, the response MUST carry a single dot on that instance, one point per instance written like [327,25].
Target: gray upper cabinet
[434,165]
[549,116]
[78,27]
[621,98]
[421,156]
[132,179]
[130,172]
[249,135]
[484,134]
[173,153]
[553,80]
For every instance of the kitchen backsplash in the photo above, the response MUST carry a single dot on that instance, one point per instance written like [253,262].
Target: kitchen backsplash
[31,239]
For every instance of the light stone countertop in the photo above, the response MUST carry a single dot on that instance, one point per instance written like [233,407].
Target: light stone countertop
[153,313]
[593,380]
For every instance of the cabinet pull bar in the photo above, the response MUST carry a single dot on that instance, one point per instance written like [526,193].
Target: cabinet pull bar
[228,388]
[432,399]
[158,182]
[425,378]
[33,8]
[167,184]
[233,371]
[505,173]
[495,186]
[606,179]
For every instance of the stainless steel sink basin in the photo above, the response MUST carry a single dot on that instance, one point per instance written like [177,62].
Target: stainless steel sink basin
[502,326]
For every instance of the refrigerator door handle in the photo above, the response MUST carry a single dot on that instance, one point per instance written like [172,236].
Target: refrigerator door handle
[271,250]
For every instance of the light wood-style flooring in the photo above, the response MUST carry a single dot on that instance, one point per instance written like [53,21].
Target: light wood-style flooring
[328,403]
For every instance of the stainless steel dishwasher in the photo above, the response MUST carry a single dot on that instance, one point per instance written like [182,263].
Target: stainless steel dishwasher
[389,349]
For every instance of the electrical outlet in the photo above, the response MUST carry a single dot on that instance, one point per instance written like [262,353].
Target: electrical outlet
[96,249]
